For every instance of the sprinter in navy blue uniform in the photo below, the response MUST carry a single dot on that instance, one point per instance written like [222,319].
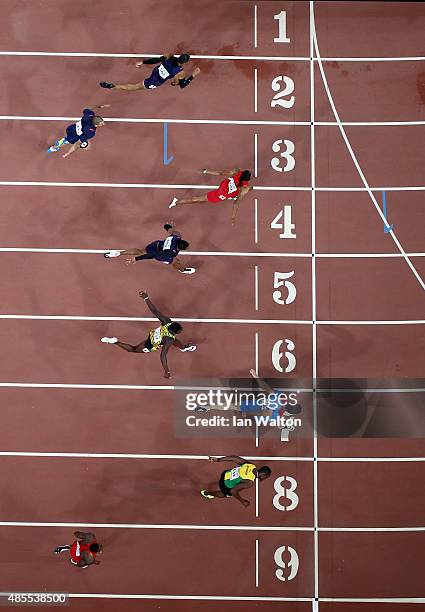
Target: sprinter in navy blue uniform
[170,68]
[165,251]
[79,134]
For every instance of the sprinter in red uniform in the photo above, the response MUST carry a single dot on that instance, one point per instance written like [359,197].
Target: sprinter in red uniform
[83,550]
[234,187]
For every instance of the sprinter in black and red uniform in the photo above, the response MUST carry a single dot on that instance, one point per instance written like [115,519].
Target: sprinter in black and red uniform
[83,550]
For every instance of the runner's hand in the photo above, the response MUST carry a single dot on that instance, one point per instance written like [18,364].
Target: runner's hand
[215,459]
[143,294]
[253,374]
[167,374]
[130,260]
[196,72]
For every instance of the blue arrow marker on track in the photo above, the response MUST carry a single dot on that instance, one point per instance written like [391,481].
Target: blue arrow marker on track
[167,160]
[384,208]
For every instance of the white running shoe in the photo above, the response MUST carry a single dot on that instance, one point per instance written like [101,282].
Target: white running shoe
[112,254]
[188,271]
[189,347]
[173,203]
[109,340]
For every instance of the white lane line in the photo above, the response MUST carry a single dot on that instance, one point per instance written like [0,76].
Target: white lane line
[184,597]
[257,500]
[181,527]
[255,27]
[256,352]
[222,253]
[275,458]
[221,321]
[151,319]
[33,385]
[314,308]
[184,253]
[217,121]
[256,220]
[272,58]
[255,90]
[355,161]
[256,155]
[165,526]
[256,286]
[206,187]
[256,564]
[409,600]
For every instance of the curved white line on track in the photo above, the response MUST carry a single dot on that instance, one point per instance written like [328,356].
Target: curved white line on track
[355,161]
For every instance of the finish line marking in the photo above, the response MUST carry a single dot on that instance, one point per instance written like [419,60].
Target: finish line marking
[354,158]
[167,160]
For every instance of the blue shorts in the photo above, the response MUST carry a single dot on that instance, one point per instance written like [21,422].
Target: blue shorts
[153,82]
[71,137]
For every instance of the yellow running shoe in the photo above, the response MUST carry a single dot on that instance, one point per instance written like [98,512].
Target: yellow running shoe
[204,494]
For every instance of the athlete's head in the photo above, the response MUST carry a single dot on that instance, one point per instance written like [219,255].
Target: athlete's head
[98,121]
[246,175]
[95,547]
[183,59]
[264,472]
[175,328]
[182,245]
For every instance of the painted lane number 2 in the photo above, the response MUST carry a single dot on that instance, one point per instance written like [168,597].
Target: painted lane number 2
[279,98]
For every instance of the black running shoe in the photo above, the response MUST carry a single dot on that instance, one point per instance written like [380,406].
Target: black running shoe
[106,85]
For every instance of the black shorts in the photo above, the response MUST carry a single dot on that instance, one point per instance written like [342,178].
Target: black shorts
[227,492]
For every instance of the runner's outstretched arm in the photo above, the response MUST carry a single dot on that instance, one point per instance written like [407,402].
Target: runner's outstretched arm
[154,310]
[227,173]
[233,458]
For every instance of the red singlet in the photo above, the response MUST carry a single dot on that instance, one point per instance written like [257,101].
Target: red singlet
[228,189]
[77,548]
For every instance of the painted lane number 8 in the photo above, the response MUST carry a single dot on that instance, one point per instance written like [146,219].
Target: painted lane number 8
[285,487]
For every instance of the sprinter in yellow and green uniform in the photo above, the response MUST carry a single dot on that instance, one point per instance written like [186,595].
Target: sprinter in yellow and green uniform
[238,478]
[162,337]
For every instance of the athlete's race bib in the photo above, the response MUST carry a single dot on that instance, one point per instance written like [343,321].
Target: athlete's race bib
[232,185]
[167,243]
[163,72]
[79,128]
[157,335]
[77,549]
[234,473]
